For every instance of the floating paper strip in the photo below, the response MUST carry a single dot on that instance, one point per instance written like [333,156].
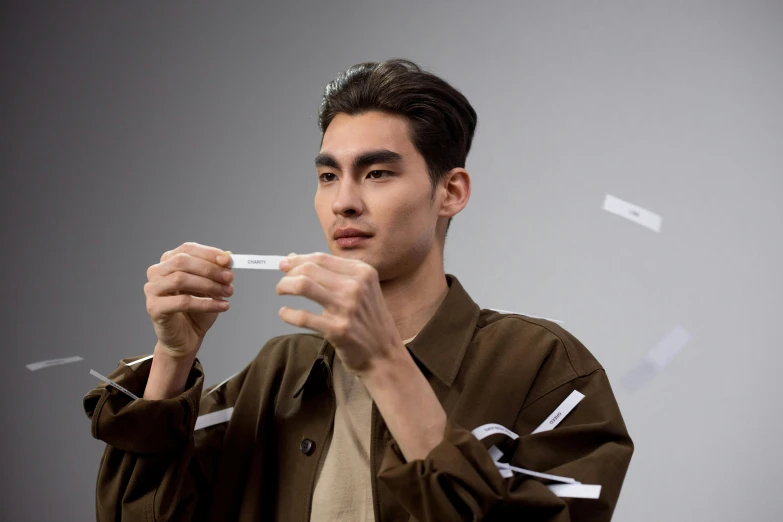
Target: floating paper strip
[137,361]
[52,362]
[112,383]
[657,358]
[662,353]
[216,417]
[635,213]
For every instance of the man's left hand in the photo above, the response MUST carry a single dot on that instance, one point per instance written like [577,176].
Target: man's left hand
[355,319]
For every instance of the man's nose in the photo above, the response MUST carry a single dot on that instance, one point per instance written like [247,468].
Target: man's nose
[348,201]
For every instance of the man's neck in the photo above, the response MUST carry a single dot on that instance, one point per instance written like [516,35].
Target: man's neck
[414,298]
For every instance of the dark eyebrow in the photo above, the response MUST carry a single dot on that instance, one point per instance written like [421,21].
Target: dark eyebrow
[365,159]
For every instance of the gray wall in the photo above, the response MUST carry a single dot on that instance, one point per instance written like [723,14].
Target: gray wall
[129,129]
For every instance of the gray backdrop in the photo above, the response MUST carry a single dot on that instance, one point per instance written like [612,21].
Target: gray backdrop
[129,129]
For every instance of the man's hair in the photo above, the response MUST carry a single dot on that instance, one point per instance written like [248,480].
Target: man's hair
[441,120]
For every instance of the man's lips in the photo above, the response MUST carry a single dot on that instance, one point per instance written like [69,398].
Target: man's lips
[350,232]
[349,237]
[351,241]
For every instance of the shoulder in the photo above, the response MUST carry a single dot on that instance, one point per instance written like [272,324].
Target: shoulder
[534,345]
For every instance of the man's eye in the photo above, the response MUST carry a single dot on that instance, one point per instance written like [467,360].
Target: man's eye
[327,176]
[378,174]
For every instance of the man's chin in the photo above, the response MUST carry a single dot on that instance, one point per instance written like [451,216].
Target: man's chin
[348,253]
[357,254]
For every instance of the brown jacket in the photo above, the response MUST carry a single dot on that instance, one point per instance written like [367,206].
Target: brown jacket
[485,367]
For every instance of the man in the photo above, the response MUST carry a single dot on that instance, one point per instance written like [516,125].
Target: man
[371,416]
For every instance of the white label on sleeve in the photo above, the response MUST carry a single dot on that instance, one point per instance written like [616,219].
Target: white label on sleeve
[490,429]
[533,316]
[559,414]
[632,212]
[257,262]
[663,352]
[112,383]
[216,417]
[576,490]
[137,361]
[546,476]
[52,362]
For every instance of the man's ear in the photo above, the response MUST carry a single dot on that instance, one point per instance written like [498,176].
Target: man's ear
[455,187]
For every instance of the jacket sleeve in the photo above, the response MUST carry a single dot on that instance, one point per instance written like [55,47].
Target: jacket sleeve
[459,480]
[153,467]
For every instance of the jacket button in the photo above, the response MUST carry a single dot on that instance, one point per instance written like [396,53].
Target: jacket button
[307,446]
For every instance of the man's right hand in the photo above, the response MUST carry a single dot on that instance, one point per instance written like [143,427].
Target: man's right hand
[185,293]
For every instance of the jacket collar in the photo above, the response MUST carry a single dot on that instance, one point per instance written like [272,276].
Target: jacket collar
[440,346]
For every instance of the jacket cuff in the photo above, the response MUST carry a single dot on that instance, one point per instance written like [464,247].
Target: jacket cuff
[143,426]
[457,478]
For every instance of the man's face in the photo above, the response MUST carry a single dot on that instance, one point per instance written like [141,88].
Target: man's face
[372,179]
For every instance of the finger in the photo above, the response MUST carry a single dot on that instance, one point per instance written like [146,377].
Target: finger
[185,303]
[306,287]
[304,319]
[185,283]
[198,250]
[336,264]
[330,280]
[183,262]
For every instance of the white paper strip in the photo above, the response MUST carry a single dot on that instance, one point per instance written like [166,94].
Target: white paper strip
[534,316]
[576,490]
[635,213]
[137,361]
[639,375]
[663,352]
[112,383]
[53,362]
[216,417]
[257,262]
[221,384]
[546,476]
[489,429]
[560,412]
[495,453]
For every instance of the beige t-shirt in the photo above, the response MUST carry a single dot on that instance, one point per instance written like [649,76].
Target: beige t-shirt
[343,488]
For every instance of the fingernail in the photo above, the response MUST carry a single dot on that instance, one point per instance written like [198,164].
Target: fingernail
[222,259]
